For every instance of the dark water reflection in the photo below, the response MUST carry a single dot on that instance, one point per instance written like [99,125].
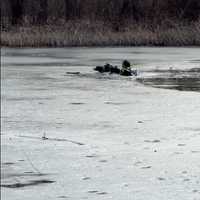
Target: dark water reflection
[183,80]
[183,84]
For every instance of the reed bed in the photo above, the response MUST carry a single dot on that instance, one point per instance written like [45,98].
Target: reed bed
[99,33]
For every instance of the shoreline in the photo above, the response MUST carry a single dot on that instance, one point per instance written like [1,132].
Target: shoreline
[82,34]
[117,46]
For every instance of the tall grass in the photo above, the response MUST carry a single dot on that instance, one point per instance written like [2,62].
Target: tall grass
[99,33]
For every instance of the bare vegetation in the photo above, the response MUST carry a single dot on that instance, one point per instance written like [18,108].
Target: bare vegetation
[100,22]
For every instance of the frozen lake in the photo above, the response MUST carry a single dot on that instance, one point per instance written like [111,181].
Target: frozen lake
[109,137]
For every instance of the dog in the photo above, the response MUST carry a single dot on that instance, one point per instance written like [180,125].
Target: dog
[125,71]
[108,68]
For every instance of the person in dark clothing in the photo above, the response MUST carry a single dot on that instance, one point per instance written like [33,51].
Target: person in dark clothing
[126,69]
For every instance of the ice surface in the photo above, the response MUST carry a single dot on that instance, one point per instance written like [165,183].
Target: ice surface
[93,136]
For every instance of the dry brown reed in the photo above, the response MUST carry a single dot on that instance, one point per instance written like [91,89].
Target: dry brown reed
[98,33]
